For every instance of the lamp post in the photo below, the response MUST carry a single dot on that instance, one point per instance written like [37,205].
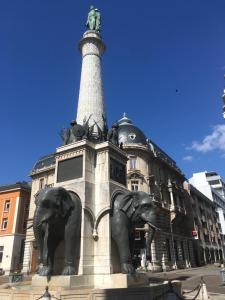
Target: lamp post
[47,295]
[172,216]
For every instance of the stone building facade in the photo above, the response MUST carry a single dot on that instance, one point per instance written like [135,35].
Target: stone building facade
[151,170]
[43,175]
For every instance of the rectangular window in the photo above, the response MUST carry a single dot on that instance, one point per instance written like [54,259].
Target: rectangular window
[1,253]
[133,160]
[41,183]
[214,182]
[182,250]
[137,235]
[206,238]
[211,174]
[7,205]
[176,250]
[168,249]
[118,171]
[27,205]
[70,169]
[4,223]
[134,185]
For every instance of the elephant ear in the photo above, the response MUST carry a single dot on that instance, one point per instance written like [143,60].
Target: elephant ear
[67,203]
[129,204]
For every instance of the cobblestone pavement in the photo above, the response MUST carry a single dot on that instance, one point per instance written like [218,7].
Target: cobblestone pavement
[191,278]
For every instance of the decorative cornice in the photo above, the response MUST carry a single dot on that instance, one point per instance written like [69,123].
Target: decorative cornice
[43,170]
[135,172]
[67,155]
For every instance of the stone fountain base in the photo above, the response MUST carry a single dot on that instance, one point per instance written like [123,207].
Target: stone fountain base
[90,281]
[61,288]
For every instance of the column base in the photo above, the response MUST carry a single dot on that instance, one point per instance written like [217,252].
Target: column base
[154,267]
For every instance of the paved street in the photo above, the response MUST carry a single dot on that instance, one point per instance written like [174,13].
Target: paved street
[191,278]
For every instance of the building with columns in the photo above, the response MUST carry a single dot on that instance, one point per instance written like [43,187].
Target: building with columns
[151,170]
[14,208]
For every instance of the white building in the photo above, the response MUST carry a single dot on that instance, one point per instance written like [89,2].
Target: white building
[213,186]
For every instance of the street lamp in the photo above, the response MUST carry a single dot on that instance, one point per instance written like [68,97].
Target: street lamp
[47,295]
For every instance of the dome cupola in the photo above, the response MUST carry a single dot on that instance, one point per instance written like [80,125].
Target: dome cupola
[128,133]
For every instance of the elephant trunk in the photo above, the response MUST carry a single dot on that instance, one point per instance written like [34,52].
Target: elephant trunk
[40,225]
[150,234]
[45,245]
[36,228]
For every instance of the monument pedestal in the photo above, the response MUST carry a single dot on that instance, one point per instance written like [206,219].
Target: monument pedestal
[95,173]
[90,281]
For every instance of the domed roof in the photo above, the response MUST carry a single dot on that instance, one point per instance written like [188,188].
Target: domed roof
[128,133]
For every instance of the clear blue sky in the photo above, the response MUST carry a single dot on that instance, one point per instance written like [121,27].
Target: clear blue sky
[153,49]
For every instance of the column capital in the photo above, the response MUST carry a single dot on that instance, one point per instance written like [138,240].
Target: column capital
[91,44]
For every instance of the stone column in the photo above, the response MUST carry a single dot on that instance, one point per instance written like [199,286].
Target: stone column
[170,188]
[155,265]
[27,258]
[91,97]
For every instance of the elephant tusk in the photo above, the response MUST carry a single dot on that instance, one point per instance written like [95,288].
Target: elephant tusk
[45,220]
[153,226]
[42,222]
[30,226]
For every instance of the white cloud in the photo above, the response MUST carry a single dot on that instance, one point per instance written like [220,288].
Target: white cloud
[188,158]
[213,141]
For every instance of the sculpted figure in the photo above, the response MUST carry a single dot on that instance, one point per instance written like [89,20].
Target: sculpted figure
[57,217]
[128,210]
[77,132]
[94,19]
[112,135]
[155,189]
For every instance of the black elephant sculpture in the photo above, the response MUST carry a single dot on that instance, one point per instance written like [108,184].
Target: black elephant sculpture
[57,217]
[128,210]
